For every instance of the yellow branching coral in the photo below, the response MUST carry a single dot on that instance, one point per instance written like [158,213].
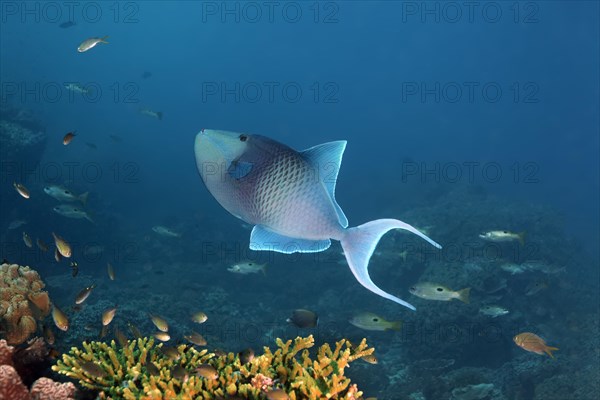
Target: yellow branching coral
[141,370]
[22,302]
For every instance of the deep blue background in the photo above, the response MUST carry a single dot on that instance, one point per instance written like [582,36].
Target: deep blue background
[368,54]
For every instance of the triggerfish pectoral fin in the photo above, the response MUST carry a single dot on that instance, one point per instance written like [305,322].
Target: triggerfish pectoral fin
[360,242]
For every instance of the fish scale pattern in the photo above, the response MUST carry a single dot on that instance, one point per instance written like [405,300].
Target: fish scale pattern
[288,192]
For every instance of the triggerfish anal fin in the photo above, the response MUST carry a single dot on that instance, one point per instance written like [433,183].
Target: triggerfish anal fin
[360,242]
[262,238]
[326,158]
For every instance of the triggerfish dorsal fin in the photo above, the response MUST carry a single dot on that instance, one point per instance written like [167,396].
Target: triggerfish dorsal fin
[262,238]
[327,159]
[360,242]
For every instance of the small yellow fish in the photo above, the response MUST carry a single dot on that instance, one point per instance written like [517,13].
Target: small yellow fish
[108,315]
[207,371]
[160,323]
[371,359]
[199,317]
[162,336]
[63,247]
[373,322]
[503,236]
[27,240]
[196,339]
[434,291]
[277,394]
[111,271]
[22,190]
[60,319]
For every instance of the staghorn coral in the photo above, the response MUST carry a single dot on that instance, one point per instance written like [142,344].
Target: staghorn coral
[141,370]
[22,302]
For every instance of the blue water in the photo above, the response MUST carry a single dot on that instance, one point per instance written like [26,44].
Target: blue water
[462,118]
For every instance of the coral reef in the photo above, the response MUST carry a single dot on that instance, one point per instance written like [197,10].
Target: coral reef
[22,302]
[142,370]
[11,384]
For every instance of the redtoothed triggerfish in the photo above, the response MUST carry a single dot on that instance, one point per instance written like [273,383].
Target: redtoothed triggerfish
[289,197]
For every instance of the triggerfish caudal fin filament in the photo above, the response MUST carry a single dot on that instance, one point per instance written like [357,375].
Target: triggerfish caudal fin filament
[360,242]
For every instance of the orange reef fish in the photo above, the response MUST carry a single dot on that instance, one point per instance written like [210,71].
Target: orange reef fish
[60,318]
[68,137]
[533,343]
[273,187]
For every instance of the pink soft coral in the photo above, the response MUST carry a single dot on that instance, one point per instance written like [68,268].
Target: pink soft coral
[6,353]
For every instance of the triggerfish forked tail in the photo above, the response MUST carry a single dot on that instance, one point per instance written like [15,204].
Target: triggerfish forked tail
[289,197]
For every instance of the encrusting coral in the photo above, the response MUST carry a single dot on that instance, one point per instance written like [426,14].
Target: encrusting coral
[142,370]
[22,302]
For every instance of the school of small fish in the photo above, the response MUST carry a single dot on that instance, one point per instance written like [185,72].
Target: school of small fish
[269,226]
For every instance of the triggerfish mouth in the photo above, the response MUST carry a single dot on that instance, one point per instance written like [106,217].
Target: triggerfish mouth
[289,197]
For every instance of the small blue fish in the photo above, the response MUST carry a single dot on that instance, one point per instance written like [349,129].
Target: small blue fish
[289,198]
